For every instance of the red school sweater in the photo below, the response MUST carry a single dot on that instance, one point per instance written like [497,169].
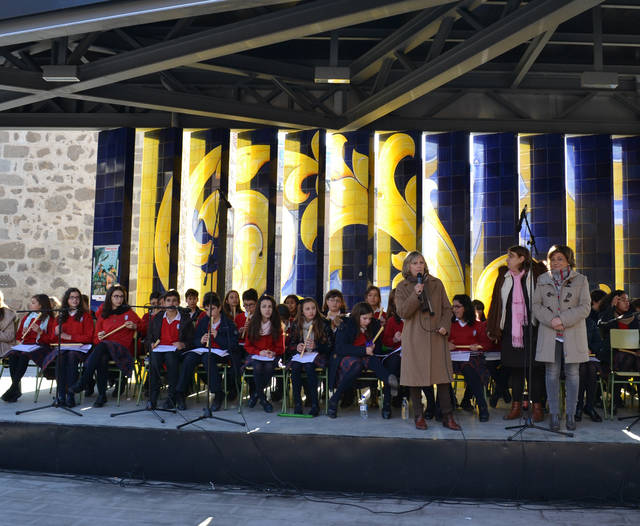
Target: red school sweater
[469,334]
[80,331]
[32,338]
[124,336]
[392,326]
[265,343]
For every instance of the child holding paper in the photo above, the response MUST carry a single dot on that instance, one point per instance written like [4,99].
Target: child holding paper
[264,343]
[309,345]
[221,332]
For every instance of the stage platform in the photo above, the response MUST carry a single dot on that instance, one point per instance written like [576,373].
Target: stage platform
[602,461]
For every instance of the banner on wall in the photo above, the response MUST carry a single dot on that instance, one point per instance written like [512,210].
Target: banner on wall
[105,270]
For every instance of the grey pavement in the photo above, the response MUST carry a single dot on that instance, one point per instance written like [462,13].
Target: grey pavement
[29,499]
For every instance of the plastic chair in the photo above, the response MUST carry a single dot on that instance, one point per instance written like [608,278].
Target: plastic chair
[621,340]
[278,372]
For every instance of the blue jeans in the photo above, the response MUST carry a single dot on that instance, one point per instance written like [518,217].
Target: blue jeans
[571,384]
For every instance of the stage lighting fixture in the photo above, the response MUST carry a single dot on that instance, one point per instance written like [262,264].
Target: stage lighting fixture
[332,75]
[60,73]
[599,80]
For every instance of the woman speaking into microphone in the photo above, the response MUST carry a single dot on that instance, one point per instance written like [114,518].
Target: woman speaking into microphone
[423,304]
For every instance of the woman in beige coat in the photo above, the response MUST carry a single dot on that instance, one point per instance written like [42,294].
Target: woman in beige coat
[561,303]
[7,327]
[423,304]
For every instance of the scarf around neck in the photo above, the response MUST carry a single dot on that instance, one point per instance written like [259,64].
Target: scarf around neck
[518,310]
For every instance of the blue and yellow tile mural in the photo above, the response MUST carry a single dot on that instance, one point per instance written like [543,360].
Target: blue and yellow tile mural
[494,207]
[445,205]
[453,195]
[112,213]
[590,206]
[398,183]
[349,156]
[626,169]
[254,210]
[159,212]
[303,215]
[208,176]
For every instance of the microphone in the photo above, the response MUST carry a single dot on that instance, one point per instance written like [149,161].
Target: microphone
[420,278]
[523,216]
[424,300]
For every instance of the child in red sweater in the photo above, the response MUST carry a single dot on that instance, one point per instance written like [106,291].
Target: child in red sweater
[36,329]
[467,334]
[264,343]
[74,325]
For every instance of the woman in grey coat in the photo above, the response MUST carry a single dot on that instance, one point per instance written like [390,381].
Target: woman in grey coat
[561,303]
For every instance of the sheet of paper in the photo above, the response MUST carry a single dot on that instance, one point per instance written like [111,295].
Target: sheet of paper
[82,347]
[492,355]
[261,358]
[24,347]
[307,358]
[592,358]
[460,356]
[204,350]
[164,348]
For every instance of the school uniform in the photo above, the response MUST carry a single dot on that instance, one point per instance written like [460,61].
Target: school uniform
[19,360]
[392,361]
[323,347]
[166,332]
[226,339]
[263,369]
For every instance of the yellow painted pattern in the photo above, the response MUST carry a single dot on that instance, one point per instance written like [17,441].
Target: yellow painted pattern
[348,196]
[251,219]
[618,229]
[147,219]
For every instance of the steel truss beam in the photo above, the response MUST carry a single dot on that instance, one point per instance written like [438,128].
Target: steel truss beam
[516,28]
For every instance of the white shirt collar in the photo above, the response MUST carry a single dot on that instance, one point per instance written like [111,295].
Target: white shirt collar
[174,319]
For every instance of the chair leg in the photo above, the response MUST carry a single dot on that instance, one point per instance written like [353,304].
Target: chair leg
[241,395]
[143,377]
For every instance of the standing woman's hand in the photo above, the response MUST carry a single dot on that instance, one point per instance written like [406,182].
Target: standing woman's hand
[418,288]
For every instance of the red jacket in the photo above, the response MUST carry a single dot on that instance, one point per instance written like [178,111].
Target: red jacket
[32,338]
[80,331]
[265,343]
[392,326]
[124,336]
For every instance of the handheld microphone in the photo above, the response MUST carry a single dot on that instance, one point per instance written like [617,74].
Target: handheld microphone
[420,278]
[523,215]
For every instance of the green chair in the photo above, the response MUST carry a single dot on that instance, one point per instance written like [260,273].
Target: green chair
[279,372]
[622,340]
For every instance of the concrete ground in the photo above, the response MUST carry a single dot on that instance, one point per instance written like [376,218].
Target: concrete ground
[348,422]
[30,499]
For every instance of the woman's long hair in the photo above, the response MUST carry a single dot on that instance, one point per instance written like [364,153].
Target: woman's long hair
[469,315]
[64,315]
[253,331]
[360,309]
[226,307]
[45,306]
[318,323]
[107,309]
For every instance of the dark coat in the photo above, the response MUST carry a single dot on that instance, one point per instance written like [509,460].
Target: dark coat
[345,336]
[226,335]
[323,347]
[185,330]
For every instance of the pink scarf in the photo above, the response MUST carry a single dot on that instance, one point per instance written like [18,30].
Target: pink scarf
[518,311]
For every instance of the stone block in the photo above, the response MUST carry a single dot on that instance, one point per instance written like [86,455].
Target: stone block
[44,266]
[10,179]
[57,203]
[84,194]
[36,252]
[74,151]
[13,250]
[59,283]
[4,136]
[33,136]
[13,151]
[8,206]
[7,282]
[4,234]
[5,165]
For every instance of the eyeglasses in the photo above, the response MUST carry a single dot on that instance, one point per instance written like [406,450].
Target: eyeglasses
[457,306]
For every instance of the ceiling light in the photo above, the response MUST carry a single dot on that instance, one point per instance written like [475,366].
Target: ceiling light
[58,73]
[599,80]
[332,75]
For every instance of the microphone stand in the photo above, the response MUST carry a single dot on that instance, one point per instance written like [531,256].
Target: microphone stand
[206,411]
[148,407]
[527,402]
[55,402]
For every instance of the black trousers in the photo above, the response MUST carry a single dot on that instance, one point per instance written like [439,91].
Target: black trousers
[500,375]
[349,377]
[537,388]
[18,363]
[588,384]
[191,361]
[172,361]
[310,386]
[444,398]
[67,370]
[262,375]
[475,385]
[98,363]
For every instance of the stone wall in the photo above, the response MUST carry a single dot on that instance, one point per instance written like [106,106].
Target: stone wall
[47,185]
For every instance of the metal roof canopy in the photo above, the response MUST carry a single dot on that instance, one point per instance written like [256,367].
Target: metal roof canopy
[480,65]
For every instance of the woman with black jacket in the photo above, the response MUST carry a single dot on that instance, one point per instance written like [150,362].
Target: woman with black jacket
[355,351]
